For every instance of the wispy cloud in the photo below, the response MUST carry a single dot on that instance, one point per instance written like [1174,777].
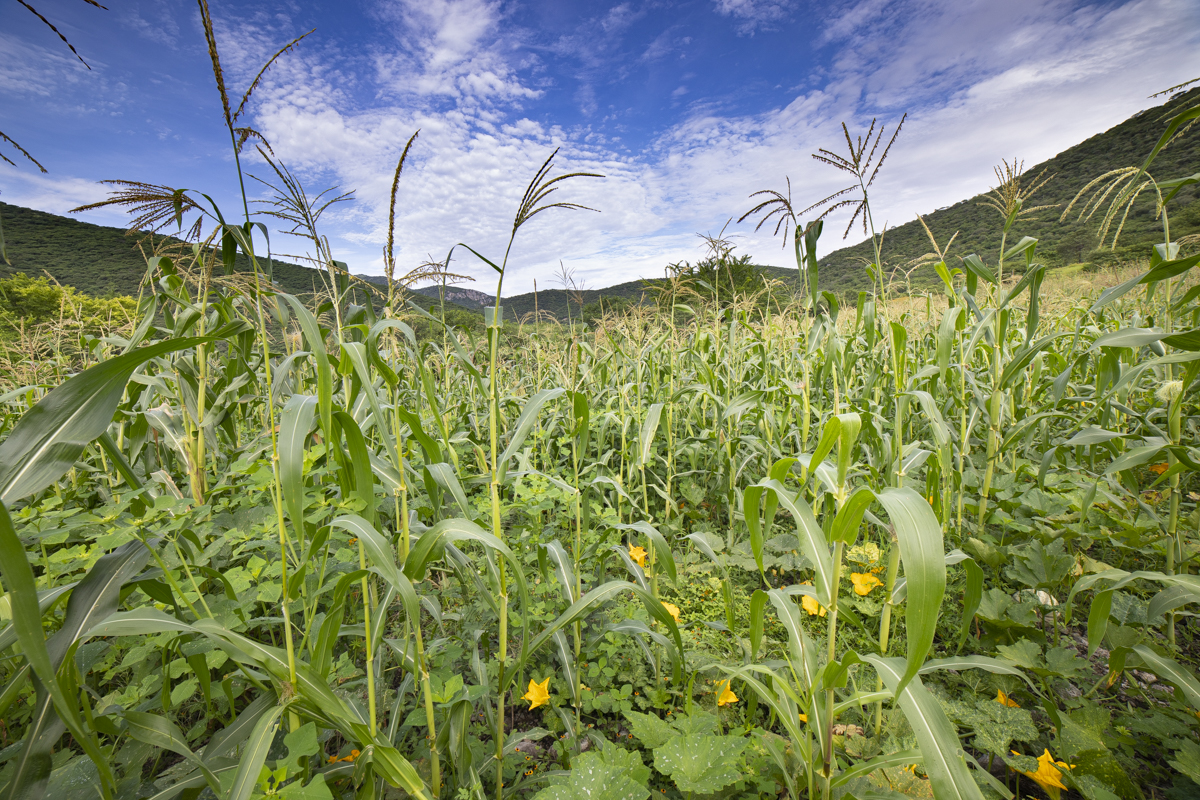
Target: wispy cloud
[753,15]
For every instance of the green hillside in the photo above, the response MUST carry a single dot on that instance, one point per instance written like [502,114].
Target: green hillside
[1059,243]
[104,261]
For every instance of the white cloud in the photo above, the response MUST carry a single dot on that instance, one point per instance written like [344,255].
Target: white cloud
[755,14]
[57,194]
[1038,78]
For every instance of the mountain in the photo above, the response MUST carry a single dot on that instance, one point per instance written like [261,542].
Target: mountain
[467,298]
[100,260]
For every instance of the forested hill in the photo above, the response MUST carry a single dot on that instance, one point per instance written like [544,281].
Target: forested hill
[1059,243]
[103,261]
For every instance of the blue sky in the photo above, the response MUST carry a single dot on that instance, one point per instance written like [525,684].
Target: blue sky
[687,107]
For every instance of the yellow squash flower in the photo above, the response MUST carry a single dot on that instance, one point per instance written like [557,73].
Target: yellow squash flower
[1047,775]
[673,610]
[810,604]
[726,695]
[1005,700]
[538,694]
[864,583]
[638,554]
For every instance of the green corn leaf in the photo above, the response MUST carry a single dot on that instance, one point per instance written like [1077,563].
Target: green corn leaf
[904,758]
[524,424]
[315,340]
[646,435]
[379,551]
[1032,276]
[751,505]
[1129,337]
[357,353]
[812,541]
[986,663]
[555,553]
[294,426]
[975,267]
[1171,671]
[599,595]
[801,648]
[34,766]
[225,740]
[1098,619]
[758,602]
[433,453]
[566,660]
[704,547]
[936,738]
[922,554]
[662,551]
[254,756]
[1166,600]
[161,732]
[51,436]
[46,599]
[363,486]
[972,596]
[849,516]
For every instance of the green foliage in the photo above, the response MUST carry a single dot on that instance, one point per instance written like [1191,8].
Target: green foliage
[610,773]
[32,302]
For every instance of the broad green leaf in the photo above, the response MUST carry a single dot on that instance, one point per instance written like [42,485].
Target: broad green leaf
[1187,759]
[701,763]
[606,775]
[936,737]
[650,730]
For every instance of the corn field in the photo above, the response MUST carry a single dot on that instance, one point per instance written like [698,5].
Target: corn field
[721,546]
